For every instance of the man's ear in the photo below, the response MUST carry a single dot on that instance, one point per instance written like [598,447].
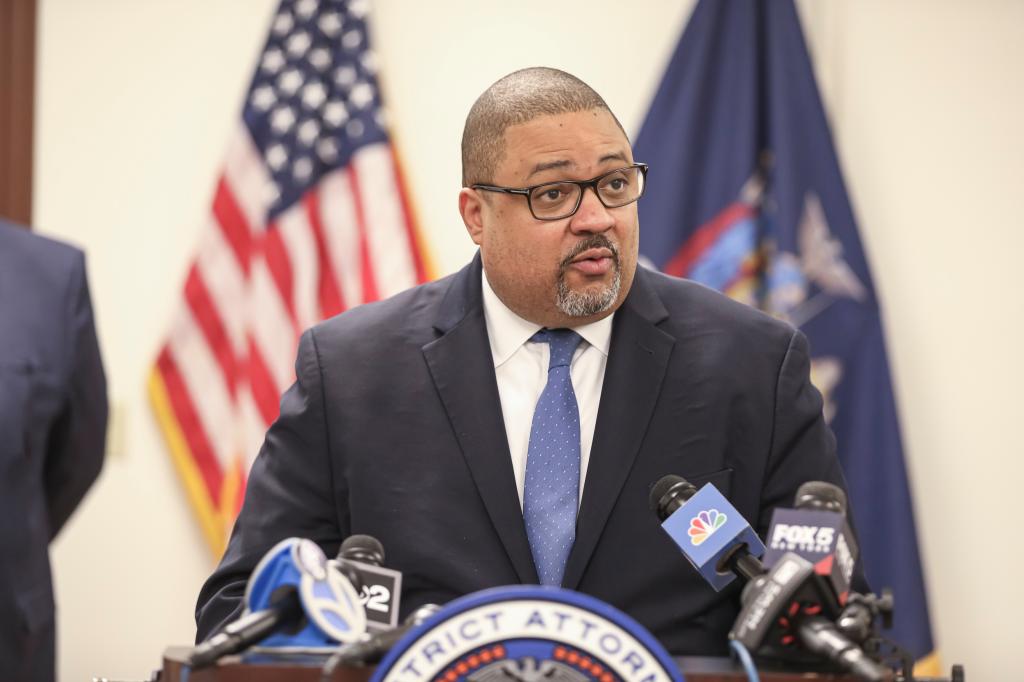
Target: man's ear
[471,209]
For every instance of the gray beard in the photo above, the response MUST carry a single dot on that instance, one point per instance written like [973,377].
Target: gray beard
[587,303]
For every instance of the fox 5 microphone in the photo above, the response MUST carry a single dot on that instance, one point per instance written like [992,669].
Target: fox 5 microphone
[712,535]
[380,589]
[294,598]
[817,530]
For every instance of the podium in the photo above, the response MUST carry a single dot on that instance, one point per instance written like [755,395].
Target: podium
[694,668]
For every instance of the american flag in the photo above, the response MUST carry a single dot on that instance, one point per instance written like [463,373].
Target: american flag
[309,218]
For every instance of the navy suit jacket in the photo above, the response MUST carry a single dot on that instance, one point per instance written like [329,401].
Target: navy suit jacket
[53,415]
[394,429]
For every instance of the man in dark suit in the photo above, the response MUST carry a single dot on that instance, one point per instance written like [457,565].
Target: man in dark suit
[53,419]
[464,425]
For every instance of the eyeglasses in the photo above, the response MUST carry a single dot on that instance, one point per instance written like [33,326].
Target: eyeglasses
[558,200]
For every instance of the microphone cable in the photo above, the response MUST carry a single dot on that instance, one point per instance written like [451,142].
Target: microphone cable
[745,659]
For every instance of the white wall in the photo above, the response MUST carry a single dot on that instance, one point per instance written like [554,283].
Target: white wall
[135,103]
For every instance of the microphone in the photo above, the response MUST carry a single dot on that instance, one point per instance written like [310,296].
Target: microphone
[712,535]
[784,607]
[818,530]
[823,638]
[372,648]
[781,607]
[820,496]
[380,589]
[283,614]
[295,597]
[363,548]
[857,620]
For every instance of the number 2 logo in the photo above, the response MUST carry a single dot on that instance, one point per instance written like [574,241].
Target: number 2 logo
[375,598]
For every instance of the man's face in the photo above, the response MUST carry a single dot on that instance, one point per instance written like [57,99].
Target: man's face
[563,272]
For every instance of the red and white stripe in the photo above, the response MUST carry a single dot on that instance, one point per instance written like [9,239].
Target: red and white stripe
[253,288]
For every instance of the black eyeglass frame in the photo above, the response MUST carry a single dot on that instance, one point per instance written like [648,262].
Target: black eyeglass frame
[582,184]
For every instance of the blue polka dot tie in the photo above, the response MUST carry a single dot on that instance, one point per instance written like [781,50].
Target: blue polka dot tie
[551,491]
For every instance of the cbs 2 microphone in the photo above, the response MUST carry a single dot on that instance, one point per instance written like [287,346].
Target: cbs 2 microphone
[380,589]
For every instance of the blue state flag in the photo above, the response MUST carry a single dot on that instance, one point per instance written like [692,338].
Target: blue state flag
[745,195]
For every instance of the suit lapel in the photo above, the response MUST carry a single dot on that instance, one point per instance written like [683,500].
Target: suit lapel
[637,361]
[461,366]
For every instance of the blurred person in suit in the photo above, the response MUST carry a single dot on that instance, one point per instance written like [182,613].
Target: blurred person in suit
[53,422]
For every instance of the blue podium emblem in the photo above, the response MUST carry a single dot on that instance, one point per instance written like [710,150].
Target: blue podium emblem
[528,634]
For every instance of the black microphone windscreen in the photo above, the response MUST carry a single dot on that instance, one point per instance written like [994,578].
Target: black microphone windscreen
[821,495]
[364,548]
[659,489]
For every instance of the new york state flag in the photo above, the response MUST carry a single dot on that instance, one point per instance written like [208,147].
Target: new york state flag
[745,195]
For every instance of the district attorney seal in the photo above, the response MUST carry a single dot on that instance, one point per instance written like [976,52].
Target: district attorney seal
[528,634]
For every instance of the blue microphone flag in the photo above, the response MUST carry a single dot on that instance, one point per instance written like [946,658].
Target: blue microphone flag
[822,537]
[329,601]
[706,528]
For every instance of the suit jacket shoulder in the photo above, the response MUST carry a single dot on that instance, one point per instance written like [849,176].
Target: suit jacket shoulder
[37,274]
[694,305]
[407,318]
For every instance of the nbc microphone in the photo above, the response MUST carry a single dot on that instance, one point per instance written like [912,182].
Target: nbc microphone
[712,535]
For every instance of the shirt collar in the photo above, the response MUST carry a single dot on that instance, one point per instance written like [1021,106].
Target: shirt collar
[507,332]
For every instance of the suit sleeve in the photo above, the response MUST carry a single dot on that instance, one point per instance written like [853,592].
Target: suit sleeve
[291,492]
[74,454]
[803,447]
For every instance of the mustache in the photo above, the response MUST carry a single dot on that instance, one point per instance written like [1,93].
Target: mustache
[594,241]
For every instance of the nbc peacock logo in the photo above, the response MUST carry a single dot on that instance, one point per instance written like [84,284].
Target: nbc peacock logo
[704,524]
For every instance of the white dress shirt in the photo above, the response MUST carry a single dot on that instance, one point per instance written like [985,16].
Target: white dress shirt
[521,367]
